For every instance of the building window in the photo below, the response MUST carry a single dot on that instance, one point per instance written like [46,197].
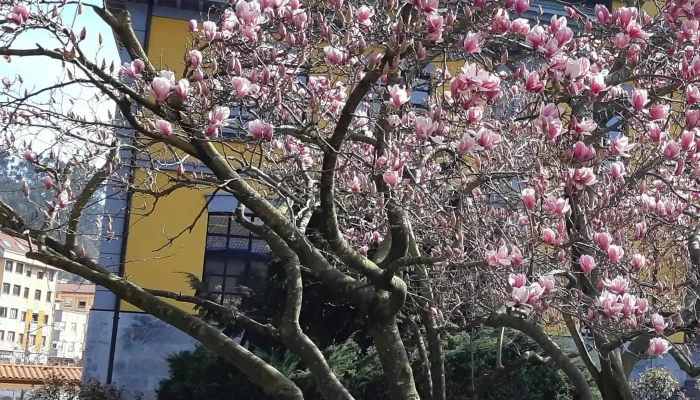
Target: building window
[35,317]
[3,312]
[5,288]
[2,335]
[32,340]
[39,274]
[10,336]
[8,265]
[26,293]
[48,297]
[74,327]
[233,256]
[37,294]
[13,313]
[54,346]
[70,347]
[82,304]
[24,316]
[68,302]
[46,319]
[51,275]
[43,341]
[21,339]
[29,272]
[16,290]
[19,268]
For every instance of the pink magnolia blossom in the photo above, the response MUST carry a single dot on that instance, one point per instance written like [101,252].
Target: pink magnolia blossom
[688,140]
[48,182]
[161,87]
[620,146]
[182,88]
[582,177]
[671,150]
[528,196]
[692,94]
[587,263]
[487,139]
[333,56]
[18,14]
[639,99]
[467,143]
[602,239]
[209,30]
[638,261]
[640,230]
[557,205]
[192,25]
[658,347]
[194,57]
[399,95]
[471,43]
[517,281]
[610,305]
[520,26]
[617,170]
[519,297]
[521,6]
[549,236]
[658,324]
[516,257]
[29,156]
[547,283]
[261,130]
[427,6]
[658,112]
[615,253]
[241,86]
[498,258]
[391,178]
[619,285]
[164,127]
[424,127]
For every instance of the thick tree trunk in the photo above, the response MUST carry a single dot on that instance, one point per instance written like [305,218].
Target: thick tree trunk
[392,354]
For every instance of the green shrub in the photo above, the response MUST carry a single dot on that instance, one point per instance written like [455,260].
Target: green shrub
[202,375]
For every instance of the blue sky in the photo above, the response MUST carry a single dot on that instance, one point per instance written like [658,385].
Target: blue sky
[40,72]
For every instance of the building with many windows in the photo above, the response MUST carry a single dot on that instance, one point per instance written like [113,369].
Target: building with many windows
[26,304]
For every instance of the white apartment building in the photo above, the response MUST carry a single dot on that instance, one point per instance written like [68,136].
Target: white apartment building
[27,294]
[68,340]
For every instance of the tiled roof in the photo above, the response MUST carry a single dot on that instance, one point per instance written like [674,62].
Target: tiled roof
[12,244]
[38,373]
[75,288]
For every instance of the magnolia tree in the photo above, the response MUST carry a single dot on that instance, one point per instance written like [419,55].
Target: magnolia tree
[549,177]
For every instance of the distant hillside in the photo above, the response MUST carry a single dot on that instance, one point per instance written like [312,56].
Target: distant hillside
[13,172]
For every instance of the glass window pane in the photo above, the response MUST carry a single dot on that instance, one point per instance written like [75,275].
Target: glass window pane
[238,243]
[214,283]
[214,265]
[238,229]
[218,224]
[231,284]
[235,267]
[258,269]
[259,247]
[216,242]
[232,300]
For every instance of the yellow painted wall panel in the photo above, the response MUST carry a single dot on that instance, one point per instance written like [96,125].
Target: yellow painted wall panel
[151,228]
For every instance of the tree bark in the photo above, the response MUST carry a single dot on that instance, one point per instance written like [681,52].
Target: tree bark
[273,382]
[393,357]
[549,346]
